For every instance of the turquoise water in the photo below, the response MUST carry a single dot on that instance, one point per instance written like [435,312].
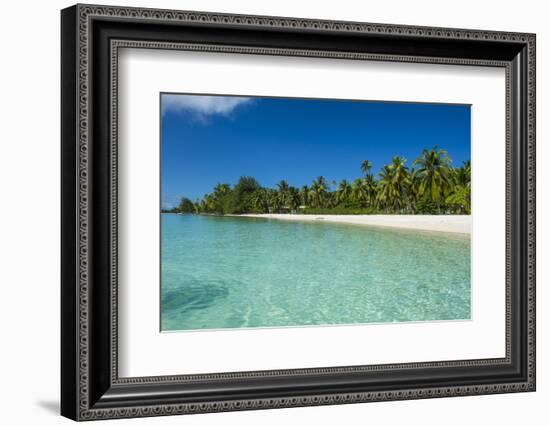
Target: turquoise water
[226,272]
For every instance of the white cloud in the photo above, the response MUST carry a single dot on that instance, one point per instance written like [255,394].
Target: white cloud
[201,105]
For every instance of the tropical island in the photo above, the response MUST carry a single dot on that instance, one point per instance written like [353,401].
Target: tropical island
[430,187]
[313,212]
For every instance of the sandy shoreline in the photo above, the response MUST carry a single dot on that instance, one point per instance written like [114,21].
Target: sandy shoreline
[459,224]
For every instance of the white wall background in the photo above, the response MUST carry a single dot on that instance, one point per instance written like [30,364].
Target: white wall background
[29,212]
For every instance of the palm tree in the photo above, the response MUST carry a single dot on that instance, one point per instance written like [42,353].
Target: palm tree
[401,180]
[369,184]
[366,165]
[343,192]
[386,191]
[433,174]
[359,193]
[212,204]
[461,175]
[414,190]
[274,201]
[319,189]
[322,181]
[293,198]
[283,188]
[304,195]
[260,200]
[460,198]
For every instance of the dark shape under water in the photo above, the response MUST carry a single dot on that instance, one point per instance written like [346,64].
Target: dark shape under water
[195,295]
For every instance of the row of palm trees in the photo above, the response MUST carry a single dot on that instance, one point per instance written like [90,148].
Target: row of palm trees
[430,186]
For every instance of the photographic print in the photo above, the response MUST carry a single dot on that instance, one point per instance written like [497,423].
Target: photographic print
[281,212]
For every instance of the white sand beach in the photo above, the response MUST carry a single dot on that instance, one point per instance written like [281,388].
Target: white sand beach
[459,224]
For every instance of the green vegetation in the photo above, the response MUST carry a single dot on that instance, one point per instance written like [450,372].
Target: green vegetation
[430,186]
[185,206]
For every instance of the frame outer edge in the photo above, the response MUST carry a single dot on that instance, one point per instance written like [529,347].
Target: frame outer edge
[83,12]
[84,194]
[531,201]
[69,221]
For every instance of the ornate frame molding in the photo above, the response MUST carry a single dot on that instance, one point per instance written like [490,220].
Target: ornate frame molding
[82,16]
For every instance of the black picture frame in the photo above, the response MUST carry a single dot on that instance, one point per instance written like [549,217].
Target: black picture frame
[90,386]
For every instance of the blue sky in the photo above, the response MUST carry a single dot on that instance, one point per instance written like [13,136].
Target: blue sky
[212,139]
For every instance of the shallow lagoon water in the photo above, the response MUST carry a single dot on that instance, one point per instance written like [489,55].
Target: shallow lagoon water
[235,272]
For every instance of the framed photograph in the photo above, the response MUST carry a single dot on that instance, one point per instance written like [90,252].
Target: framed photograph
[263,212]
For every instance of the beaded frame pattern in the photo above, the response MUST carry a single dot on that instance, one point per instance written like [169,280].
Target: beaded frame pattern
[86,13]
